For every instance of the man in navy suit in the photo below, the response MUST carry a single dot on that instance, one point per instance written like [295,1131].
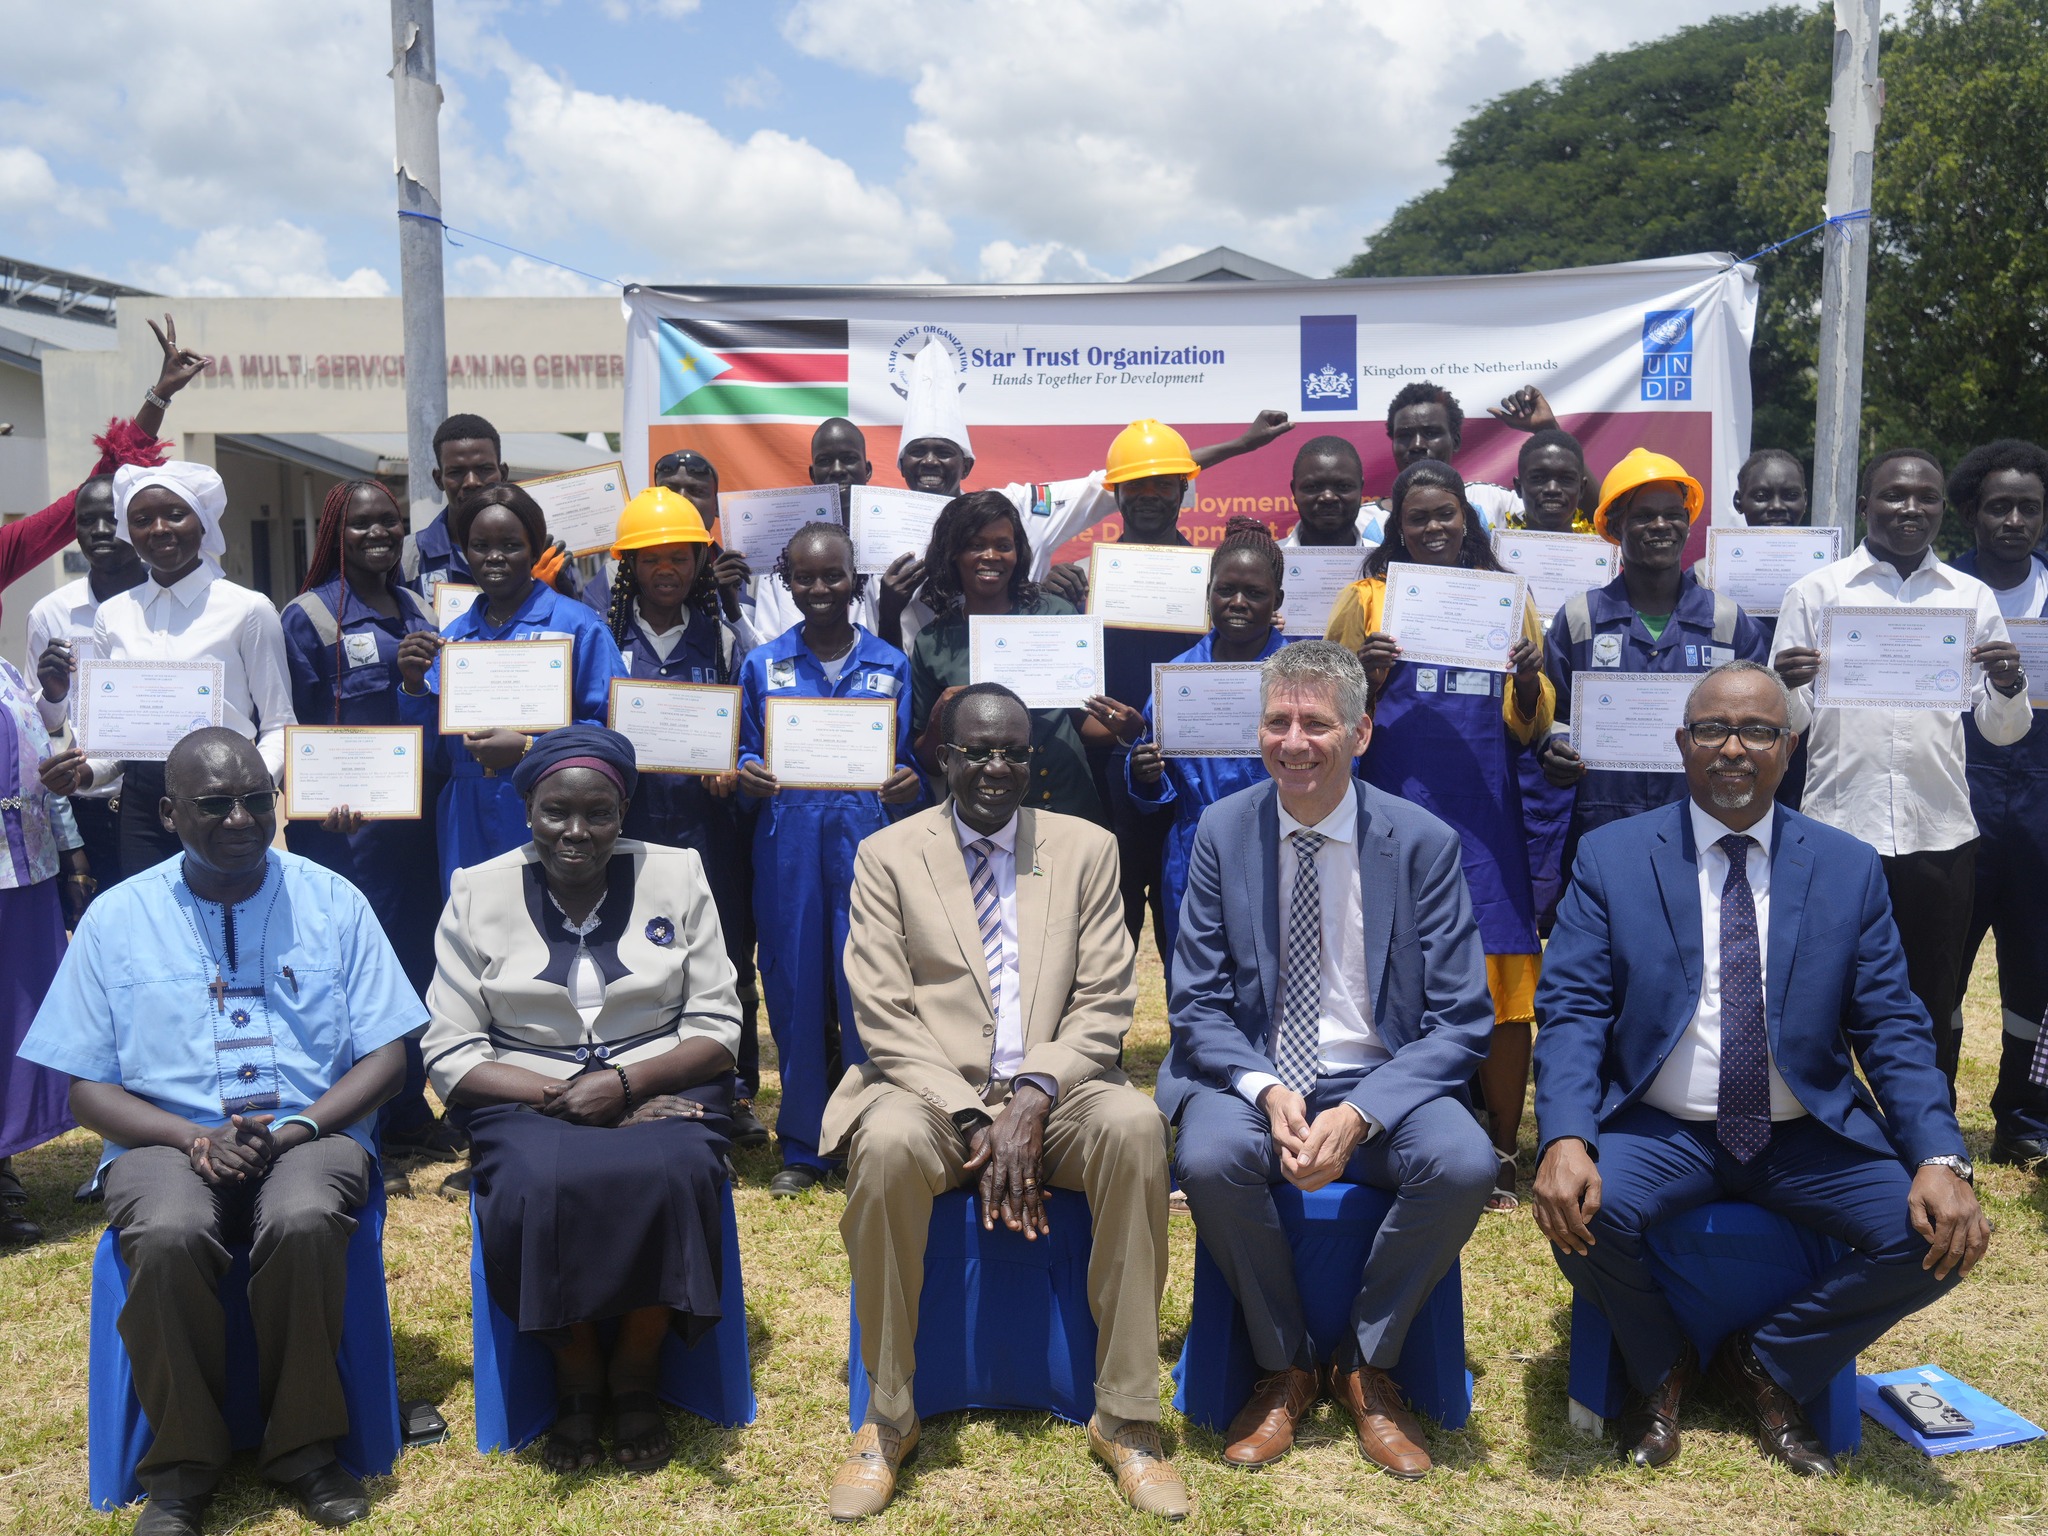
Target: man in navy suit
[1697,1020]
[1329,1004]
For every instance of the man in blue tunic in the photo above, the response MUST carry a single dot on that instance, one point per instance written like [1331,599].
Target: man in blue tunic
[231,1020]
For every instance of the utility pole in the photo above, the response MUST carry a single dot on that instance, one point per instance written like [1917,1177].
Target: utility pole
[1853,110]
[416,93]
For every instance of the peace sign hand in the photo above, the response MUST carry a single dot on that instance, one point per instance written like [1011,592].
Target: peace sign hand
[181,365]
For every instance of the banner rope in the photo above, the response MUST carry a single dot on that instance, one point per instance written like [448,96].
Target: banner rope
[1853,216]
[450,232]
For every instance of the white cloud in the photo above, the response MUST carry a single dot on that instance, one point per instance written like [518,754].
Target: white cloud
[519,277]
[277,258]
[31,193]
[756,90]
[625,10]
[1046,262]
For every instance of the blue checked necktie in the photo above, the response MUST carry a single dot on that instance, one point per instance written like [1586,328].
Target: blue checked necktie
[1743,1124]
[1298,1043]
[2038,1073]
[988,917]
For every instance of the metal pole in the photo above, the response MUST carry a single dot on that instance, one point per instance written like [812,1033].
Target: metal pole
[1857,100]
[417,98]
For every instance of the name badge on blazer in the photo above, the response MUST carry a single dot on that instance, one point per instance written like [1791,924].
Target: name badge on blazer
[361,649]
[1607,650]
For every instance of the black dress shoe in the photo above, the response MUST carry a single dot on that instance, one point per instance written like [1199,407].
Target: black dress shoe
[794,1179]
[18,1232]
[329,1496]
[2016,1151]
[1781,1422]
[1649,1425]
[747,1129]
[173,1517]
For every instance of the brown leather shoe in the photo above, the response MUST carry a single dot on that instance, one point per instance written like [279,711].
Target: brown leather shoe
[866,1480]
[1263,1430]
[1388,1434]
[1781,1422]
[1649,1425]
[1144,1476]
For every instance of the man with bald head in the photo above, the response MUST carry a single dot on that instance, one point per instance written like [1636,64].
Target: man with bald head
[231,1020]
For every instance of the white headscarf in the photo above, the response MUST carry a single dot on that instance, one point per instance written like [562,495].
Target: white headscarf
[934,408]
[197,485]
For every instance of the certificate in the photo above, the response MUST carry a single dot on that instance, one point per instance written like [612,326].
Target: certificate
[1628,721]
[1754,566]
[1454,617]
[374,769]
[887,524]
[451,601]
[582,506]
[757,524]
[1206,711]
[504,685]
[678,727]
[1053,662]
[1554,566]
[830,743]
[1895,658]
[1314,579]
[141,709]
[1149,586]
[2031,636]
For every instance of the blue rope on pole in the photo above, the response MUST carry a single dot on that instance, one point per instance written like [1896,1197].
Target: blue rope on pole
[1841,218]
[450,232]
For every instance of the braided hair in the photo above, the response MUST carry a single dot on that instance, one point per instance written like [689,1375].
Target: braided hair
[701,598]
[829,532]
[325,563]
[1248,533]
[1476,553]
[959,521]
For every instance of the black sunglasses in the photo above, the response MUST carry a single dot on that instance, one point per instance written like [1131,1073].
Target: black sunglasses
[981,757]
[687,460]
[221,807]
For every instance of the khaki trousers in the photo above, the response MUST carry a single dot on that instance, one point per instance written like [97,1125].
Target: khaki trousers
[1105,1139]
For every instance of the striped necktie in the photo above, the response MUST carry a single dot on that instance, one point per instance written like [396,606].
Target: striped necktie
[2037,1074]
[1297,1045]
[988,916]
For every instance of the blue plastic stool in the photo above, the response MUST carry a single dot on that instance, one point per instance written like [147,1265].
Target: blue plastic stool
[515,1372]
[117,1434]
[1331,1232]
[1722,1265]
[1002,1322]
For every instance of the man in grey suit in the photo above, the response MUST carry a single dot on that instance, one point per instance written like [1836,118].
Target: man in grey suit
[1329,1004]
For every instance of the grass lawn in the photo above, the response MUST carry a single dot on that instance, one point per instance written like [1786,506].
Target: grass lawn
[1516,1468]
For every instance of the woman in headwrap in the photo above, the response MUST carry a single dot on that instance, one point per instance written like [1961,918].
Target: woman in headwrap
[501,530]
[583,1022]
[186,611]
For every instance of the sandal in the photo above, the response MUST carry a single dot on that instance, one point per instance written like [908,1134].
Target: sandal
[1503,1199]
[648,1435]
[13,1196]
[572,1443]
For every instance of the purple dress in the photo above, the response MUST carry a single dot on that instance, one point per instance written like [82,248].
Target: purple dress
[35,825]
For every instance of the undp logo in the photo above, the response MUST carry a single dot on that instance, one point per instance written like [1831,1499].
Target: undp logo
[1667,354]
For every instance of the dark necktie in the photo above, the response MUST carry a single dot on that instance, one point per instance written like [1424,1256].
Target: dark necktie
[2037,1074]
[1743,1121]
[1297,1045]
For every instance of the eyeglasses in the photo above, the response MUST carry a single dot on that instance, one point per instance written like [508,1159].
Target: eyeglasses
[981,757]
[1715,733]
[221,807]
[687,461]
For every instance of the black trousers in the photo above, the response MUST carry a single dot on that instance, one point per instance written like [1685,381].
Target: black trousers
[1932,893]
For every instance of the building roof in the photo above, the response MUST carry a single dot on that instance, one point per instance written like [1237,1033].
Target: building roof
[1221,264]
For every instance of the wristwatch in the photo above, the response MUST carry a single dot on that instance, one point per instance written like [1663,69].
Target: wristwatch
[1961,1167]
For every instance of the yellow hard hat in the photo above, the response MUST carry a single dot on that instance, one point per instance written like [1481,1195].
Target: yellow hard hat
[1640,468]
[657,516]
[1147,448]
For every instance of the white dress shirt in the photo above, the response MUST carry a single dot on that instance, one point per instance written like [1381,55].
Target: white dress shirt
[1008,1053]
[1344,1027]
[1894,777]
[206,617]
[1688,1086]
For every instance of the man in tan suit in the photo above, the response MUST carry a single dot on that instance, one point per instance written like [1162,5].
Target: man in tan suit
[992,983]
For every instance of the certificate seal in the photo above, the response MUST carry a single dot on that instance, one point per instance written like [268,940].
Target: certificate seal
[1948,680]
[1496,639]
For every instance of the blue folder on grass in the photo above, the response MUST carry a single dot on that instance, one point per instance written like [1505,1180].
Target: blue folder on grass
[1996,1423]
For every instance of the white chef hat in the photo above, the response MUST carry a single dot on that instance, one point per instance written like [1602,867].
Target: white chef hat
[197,485]
[934,408]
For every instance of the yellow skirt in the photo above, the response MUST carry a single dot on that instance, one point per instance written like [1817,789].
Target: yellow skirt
[1512,981]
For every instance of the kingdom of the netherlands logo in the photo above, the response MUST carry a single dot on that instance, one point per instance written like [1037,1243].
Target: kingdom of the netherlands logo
[1329,362]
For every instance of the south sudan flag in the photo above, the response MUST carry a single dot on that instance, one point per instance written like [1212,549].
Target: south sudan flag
[731,368]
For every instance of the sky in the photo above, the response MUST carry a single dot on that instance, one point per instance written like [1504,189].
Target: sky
[223,147]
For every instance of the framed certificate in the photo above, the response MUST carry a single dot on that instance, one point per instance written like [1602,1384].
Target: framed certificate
[451,600]
[1149,586]
[757,524]
[139,710]
[1754,566]
[582,506]
[1895,658]
[2031,636]
[1454,617]
[1628,721]
[505,685]
[1051,662]
[678,727]
[887,524]
[1555,566]
[830,743]
[375,769]
[1313,580]
[1206,711]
